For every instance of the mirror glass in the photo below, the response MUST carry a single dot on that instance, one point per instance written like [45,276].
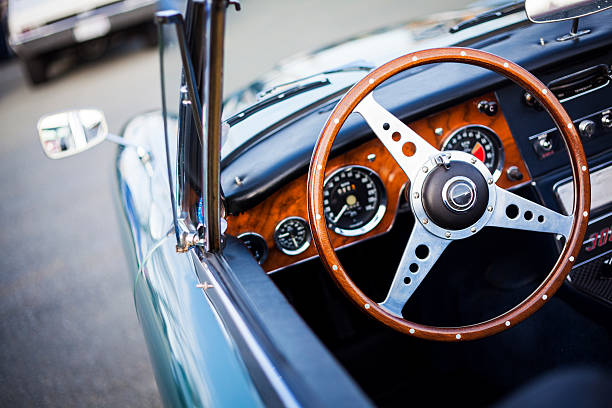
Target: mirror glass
[545,11]
[67,133]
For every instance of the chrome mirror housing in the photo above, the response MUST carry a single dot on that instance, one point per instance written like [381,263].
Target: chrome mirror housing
[68,133]
[546,11]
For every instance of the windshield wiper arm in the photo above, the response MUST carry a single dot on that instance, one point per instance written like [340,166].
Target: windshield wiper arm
[300,82]
[271,100]
[489,15]
[290,89]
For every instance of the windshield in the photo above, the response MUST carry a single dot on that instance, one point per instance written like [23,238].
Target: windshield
[329,63]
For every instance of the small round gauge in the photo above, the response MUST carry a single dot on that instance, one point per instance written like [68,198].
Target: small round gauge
[481,142]
[292,235]
[354,199]
[256,244]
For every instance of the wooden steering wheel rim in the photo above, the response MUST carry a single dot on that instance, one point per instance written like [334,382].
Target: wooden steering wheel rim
[581,204]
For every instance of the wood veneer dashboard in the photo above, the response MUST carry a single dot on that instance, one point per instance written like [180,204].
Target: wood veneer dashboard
[290,200]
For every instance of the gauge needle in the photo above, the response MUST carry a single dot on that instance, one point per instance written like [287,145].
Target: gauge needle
[286,234]
[294,241]
[335,220]
[478,151]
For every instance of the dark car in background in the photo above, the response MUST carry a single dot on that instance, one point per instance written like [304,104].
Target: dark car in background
[39,29]
[5,50]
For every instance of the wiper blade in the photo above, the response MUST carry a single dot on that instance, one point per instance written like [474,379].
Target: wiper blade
[293,88]
[301,82]
[489,16]
[277,97]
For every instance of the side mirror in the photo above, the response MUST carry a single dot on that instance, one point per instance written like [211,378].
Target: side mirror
[68,133]
[545,11]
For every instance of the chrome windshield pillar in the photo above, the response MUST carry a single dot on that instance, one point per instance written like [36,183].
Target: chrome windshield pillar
[213,99]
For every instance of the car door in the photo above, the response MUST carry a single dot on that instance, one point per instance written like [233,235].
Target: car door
[218,331]
[194,356]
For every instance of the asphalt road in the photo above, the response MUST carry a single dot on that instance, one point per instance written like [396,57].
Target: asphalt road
[69,334]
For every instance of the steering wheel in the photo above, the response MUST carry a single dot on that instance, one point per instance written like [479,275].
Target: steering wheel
[452,196]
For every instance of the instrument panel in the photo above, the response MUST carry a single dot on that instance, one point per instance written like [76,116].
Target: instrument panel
[363,186]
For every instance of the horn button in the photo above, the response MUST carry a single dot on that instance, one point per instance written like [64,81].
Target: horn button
[455,197]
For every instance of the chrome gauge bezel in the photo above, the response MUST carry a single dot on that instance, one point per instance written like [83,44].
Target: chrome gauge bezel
[265,255]
[418,209]
[303,247]
[378,215]
[499,148]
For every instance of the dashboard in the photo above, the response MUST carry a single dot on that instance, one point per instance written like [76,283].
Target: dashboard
[364,186]
[458,109]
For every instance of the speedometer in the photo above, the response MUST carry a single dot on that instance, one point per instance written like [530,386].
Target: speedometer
[481,142]
[354,199]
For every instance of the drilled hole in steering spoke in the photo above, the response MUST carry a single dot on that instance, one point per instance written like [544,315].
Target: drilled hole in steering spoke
[414,268]
[409,149]
[407,280]
[422,251]
[512,211]
[541,219]
[386,126]
[528,215]
[396,136]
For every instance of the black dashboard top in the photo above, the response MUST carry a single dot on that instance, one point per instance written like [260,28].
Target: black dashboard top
[285,153]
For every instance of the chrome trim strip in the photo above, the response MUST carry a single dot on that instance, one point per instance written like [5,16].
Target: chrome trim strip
[591,259]
[262,358]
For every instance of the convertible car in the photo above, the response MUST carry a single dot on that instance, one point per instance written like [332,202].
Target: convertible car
[417,216]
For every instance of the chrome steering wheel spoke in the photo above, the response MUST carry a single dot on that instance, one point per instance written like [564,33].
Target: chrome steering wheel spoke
[422,252]
[408,149]
[515,212]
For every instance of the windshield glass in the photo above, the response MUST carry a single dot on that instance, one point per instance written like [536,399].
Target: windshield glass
[331,62]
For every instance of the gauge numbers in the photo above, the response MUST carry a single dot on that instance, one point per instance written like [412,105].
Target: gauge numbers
[292,235]
[354,199]
[481,142]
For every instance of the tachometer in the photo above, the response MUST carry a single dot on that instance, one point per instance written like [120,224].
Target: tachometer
[354,199]
[481,142]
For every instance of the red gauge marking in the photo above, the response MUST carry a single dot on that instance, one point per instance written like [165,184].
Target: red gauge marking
[479,151]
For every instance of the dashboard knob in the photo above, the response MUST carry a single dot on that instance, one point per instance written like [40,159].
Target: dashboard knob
[606,120]
[514,174]
[531,101]
[587,128]
[487,107]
